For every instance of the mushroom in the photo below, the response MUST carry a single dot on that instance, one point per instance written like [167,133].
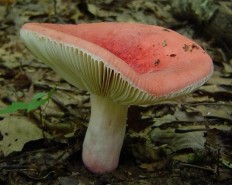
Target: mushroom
[120,64]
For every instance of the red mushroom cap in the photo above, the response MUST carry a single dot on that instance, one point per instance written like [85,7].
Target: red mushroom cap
[150,63]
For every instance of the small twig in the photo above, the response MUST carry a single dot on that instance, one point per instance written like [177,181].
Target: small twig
[39,177]
[54,6]
[198,167]
[218,161]
[179,130]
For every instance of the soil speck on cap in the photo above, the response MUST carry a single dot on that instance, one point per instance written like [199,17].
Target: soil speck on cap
[164,44]
[172,55]
[186,47]
[157,62]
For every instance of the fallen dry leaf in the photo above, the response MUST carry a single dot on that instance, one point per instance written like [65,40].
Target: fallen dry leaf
[15,132]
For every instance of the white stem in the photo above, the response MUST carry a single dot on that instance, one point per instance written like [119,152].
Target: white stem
[105,135]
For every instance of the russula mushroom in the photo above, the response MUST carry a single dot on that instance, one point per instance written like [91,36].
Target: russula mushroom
[120,64]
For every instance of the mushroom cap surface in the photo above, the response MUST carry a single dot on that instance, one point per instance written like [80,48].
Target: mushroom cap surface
[128,63]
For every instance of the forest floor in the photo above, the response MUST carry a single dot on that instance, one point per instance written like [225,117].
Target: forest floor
[184,141]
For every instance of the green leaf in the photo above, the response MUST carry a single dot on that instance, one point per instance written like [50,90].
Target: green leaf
[40,96]
[34,104]
[36,101]
[15,106]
